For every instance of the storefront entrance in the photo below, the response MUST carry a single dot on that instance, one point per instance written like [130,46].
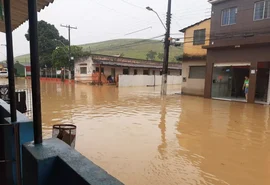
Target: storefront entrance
[262,83]
[227,81]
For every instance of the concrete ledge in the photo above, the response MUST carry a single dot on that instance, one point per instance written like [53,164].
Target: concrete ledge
[7,140]
[54,162]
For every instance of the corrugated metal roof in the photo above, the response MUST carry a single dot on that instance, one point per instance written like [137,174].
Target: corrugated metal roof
[19,12]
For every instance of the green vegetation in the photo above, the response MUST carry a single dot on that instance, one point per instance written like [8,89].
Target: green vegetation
[60,56]
[130,48]
[48,40]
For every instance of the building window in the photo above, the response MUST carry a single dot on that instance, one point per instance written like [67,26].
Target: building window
[199,37]
[83,70]
[145,72]
[153,72]
[160,73]
[102,69]
[135,72]
[125,71]
[228,16]
[261,10]
[197,72]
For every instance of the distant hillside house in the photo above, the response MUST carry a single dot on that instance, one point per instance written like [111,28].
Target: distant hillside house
[22,70]
[87,69]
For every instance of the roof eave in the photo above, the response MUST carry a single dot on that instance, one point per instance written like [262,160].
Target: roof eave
[19,12]
[216,1]
[197,23]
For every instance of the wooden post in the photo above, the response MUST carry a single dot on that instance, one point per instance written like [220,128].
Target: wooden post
[99,77]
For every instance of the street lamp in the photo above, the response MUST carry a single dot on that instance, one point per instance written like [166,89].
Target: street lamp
[69,52]
[167,43]
[60,42]
[152,10]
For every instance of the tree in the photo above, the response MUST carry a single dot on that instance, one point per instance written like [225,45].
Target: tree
[160,56]
[151,55]
[60,56]
[48,40]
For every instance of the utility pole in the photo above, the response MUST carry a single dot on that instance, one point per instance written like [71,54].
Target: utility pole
[69,43]
[167,43]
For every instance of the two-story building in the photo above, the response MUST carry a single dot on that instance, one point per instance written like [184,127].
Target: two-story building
[239,46]
[194,57]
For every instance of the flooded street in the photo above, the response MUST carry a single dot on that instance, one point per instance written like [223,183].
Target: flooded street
[142,139]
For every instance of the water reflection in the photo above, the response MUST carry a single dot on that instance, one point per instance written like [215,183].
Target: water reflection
[162,147]
[143,139]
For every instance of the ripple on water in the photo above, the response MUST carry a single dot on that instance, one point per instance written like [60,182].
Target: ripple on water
[141,138]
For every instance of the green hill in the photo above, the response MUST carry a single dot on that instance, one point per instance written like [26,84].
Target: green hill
[131,48]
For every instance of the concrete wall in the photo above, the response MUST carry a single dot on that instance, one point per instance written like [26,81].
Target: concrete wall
[119,71]
[192,86]
[54,163]
[145,80]
[90,68]
[7,141]
[189,48]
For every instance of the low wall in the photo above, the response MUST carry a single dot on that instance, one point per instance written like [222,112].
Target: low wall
[54,163]
[53,79]
[8,174]
[146,80]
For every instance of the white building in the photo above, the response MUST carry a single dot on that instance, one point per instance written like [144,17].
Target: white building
[87,68]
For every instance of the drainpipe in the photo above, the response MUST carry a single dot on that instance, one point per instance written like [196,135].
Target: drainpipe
[35,71]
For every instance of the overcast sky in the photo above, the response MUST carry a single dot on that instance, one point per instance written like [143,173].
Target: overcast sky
[100,20]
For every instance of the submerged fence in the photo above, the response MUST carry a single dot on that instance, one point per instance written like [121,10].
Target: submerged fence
[24,99]
[56,73]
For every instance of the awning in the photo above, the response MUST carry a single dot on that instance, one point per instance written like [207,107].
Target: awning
[230,64]
[19,12]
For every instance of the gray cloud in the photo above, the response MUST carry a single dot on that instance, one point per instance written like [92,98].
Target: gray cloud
[99,20]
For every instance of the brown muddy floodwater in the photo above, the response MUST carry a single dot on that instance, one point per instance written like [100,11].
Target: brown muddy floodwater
[143,140]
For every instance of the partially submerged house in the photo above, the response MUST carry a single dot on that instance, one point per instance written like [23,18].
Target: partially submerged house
[97,68]
[22,70]
[194,57]
[239,46]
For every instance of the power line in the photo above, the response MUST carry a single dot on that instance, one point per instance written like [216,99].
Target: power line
[69,41]
[127,45]
[223,37]
[127,15]
[132,4]
[150,27]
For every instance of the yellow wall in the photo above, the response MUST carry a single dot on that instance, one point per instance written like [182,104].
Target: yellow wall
[196,50]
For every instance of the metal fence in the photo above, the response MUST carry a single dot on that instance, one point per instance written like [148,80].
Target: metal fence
[54,73]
